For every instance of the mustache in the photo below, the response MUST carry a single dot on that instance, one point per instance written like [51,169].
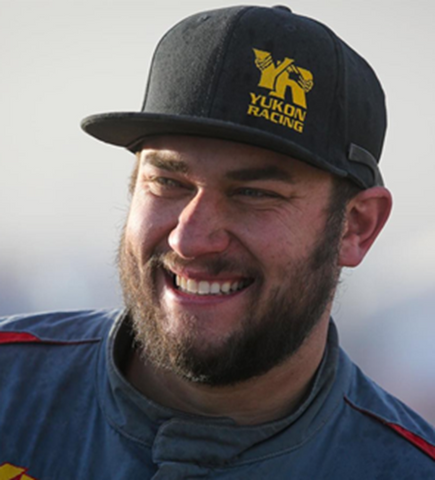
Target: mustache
[212,266]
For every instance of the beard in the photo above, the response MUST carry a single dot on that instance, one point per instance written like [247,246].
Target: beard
[272,330]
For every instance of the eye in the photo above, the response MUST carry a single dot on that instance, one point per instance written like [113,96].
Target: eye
[167,182]
[256,193]
[165,186]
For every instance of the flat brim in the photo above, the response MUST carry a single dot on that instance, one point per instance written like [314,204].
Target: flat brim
[130,129]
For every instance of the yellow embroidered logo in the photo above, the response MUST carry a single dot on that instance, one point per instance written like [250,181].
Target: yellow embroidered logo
[280,78]
[11,472]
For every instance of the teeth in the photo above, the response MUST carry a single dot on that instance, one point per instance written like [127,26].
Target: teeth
[226,287]
[192,286]
[207,288]
[203,288]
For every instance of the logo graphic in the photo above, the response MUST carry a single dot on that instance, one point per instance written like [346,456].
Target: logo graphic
[288,85]
[11,472]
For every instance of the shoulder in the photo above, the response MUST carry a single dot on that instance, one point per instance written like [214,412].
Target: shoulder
[57,327]
[383,422]
[48,353]
[50,379]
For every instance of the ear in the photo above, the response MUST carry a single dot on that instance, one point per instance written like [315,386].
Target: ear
[366,214]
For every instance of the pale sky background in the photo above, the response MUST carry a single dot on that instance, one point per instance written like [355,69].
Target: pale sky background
[64,195]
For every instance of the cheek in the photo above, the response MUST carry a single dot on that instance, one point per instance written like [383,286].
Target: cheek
[148,225]
[270,228]
[279,237]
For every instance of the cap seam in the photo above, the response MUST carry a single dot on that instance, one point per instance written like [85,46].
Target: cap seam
[152,65]
[339,78]
[211,97]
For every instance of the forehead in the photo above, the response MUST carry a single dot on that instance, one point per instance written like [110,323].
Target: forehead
[211,157]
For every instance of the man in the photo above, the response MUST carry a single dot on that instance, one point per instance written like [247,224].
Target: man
[256,181]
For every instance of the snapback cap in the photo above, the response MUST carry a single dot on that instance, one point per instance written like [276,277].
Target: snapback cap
[265,77]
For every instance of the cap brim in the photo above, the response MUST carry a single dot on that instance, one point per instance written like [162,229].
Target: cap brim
[130,129]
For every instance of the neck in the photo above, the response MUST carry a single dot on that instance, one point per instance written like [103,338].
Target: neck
[258,400]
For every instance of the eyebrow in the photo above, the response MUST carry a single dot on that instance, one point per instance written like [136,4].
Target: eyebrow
[156,160]
[244,174]
[263,173]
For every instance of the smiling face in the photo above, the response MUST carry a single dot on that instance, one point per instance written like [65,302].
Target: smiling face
[228,258]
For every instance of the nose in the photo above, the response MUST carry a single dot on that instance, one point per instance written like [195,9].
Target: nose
[201,228]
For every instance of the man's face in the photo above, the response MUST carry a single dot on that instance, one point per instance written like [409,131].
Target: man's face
[228,259]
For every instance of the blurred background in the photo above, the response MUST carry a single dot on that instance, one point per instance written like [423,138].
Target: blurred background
[63,195]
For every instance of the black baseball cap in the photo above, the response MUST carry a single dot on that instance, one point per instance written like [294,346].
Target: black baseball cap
[265,77]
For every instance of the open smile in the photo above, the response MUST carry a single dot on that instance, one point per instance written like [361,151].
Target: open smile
[198,286]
